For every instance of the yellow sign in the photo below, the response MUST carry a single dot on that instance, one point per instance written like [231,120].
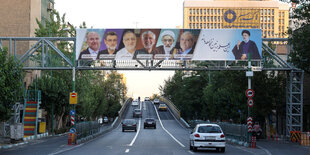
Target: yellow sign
[73,98]
[241,18]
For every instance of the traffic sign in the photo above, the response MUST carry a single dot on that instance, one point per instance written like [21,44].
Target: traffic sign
[249,93]
[73,98]
[72,112]
[72,130]
[249,122]
[250,102]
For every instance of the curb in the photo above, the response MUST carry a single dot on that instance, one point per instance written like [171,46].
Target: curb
[26,139]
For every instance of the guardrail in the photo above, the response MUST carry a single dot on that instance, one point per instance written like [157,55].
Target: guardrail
[235,131]
[90,129]
[175,111]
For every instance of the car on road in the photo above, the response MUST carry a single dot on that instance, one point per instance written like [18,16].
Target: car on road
[150,122]
[135,103]
[137,113]
[156,101]
[207,136]
[129,124]
[162,107]
[146,98]
[105,120]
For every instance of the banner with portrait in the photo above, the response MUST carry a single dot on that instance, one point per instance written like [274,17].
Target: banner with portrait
[168,44]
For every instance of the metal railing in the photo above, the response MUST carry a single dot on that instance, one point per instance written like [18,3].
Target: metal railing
[235,131]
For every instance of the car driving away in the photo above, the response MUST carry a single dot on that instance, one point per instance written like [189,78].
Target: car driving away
[129,124]
[156,101]
[137,113]
[147,99]
[135,103]
[150,122]
[207,136]
[162,107]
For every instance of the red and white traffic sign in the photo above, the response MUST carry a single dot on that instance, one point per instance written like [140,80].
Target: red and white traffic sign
[249,93]
[73,95]
[249,122]
[250,102]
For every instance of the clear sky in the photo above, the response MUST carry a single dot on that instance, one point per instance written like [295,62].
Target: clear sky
[127,14]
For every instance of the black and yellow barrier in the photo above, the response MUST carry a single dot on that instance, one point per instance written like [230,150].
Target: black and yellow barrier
[295,136]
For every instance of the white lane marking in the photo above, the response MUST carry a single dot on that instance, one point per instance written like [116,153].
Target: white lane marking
[127,150]
[134,139]
[190,152]
[61,151]
[144,106]
[264,149]
[167,130]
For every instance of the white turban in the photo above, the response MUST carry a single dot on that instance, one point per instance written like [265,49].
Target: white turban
[169,33]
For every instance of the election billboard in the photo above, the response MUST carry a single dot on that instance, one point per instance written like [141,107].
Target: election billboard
[168,44]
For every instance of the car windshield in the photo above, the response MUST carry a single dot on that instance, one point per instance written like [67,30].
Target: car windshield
[149,120]
[209,129]
[129,122]
[162,105]
[137,110]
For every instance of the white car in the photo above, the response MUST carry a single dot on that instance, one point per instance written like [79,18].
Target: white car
[146,98]
[156,101]
[207,136]
[134,103]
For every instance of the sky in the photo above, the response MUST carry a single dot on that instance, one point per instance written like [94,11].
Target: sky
[127,14]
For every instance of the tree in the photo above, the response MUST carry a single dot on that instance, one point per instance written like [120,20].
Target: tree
[11,80]
[299,37]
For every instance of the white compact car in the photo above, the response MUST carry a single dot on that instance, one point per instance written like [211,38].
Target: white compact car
[156,101]
[207,136]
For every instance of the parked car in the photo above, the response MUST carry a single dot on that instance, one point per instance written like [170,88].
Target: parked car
[105,120]
[207,136]
[146,99]
[129,124]
[135,103]
[162,107]
[137,113]
[150,122]
[156,101]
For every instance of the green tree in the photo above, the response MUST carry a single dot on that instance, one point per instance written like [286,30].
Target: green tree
[11,80]
[299,36]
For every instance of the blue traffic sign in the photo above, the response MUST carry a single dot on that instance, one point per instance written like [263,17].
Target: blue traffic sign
[72,130]
[72,112]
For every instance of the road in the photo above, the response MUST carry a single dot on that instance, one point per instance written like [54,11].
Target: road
[169,138]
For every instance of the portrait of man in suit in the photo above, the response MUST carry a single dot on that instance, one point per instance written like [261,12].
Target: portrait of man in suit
[93,42]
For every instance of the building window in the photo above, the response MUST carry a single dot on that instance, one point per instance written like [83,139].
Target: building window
[219,18]
[194,19]
[201,18]
[268,11]
[211,11]
[268,26]
[215,26]
[204,11]
[197,18]
[272,33]
[211,18]
[272,26]
[190,11]
[261,11]
[265,26]
[272,12]
[208,25]
[261,26]
[219,11]
[265,11]
[193,26]
[282,28]
[268,33]
[204,25]
[272,19]
[261,19]
[219,25]
[204,18]
[190,18]
[200,25]
[211,26]
[279,21]
[200,11]
[268,19]
[197,25]
[215,19]
[190,25]
[215,11]
[208,18]
[265,34]
[208,11]
[265,18]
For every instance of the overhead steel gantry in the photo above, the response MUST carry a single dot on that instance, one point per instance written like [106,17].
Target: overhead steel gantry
[43,54]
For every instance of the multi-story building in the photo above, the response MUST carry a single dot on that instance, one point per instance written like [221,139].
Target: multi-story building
[211,14]
[18,19]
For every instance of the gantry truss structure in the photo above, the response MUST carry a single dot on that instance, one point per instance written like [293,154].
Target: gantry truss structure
[41,53]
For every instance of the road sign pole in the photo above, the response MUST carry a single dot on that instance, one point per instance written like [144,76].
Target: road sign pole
[249,87]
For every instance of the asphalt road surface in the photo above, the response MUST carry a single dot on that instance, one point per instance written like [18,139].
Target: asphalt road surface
[169,138]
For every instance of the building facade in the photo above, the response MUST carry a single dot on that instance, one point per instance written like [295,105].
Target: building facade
[209,14]
[18,19]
